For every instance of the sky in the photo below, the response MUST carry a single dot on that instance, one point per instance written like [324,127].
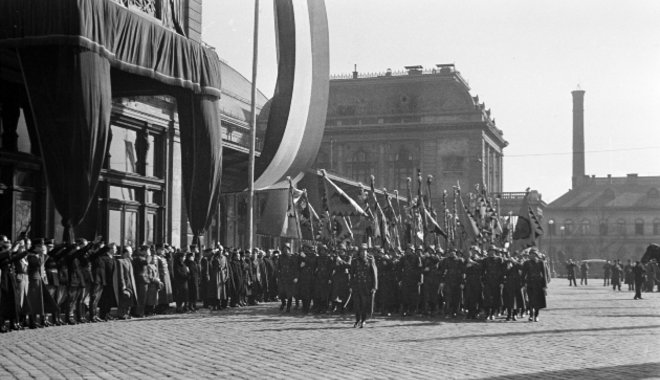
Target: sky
[522,57]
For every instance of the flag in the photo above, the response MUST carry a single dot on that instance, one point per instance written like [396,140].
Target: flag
[528,227]
[380,221]
[325,230]
[291,225]
[468,231]
[432,225]
[307,216]
[343,230]
[337,202]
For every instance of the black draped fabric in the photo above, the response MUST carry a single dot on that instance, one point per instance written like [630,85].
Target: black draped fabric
[130,42]
[201,156]
[67,49]
[70,99]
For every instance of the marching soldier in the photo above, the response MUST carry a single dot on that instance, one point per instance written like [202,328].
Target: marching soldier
[534,277]
[473,292]
[340,280]
[453,283]
[364,283]
[493,275]
[412,279]
[322,280]
[287,276]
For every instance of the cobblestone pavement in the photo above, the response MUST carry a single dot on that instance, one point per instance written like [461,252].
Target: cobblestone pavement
[587,332]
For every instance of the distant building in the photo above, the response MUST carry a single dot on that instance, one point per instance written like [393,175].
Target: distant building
[601,217]
[391,124]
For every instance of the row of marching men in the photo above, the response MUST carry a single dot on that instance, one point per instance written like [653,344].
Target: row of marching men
[486,283]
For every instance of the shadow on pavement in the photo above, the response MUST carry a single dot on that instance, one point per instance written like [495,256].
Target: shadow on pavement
[631,371]
[540,332]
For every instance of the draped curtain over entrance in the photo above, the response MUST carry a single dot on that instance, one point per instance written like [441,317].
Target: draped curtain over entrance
[201,155]
[66,49]
[71,101]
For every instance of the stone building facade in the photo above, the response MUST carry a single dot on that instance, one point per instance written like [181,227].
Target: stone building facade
[139,197]
[391,124]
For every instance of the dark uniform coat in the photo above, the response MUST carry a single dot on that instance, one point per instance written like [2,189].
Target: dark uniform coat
[533,272]
[364,279]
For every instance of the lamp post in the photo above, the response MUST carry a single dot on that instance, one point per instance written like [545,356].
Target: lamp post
[551,222]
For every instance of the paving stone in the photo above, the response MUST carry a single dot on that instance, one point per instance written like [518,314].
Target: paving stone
[587,332]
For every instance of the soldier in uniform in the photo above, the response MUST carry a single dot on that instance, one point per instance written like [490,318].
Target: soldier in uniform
[193,280]
[534,278]
[388,283]
[287,276]
[205,276]
[432,279]
[105,273]
[513,299]
[35,260]
[364,283]
[493,277]
[453,283]
[52,280]
[412,279]
[473,292]
[340,280]
[307,267]
[322,280]
[9,302]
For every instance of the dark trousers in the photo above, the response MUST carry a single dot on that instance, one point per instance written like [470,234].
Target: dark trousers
[362,304]
[638,289]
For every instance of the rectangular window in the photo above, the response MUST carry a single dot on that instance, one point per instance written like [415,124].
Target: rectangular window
[122,193]
[114,226]
[151,228]
[123,156]
[130,228]
[639,228]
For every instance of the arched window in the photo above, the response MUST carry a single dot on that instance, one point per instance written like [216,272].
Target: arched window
[639,226]
[621,226]
[653,193]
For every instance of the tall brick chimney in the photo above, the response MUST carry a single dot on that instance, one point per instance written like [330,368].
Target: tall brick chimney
[578,137]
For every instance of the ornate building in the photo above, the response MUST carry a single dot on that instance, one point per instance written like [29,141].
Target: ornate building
[139,194]
[601,217]
[391,124]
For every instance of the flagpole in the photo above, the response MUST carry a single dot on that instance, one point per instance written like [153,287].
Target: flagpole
[253,129]
[413,232]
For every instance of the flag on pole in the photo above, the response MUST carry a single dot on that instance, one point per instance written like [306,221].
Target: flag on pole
[343,230]
[467,231]
[307,215]
[337,202]
[291,225]
[528,227]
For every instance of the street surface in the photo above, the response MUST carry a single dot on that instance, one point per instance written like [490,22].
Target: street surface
[587,333]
